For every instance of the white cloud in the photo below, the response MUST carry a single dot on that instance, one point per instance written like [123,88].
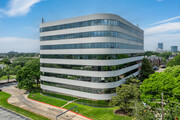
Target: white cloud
[18,7]
[163,31]
[19,44]
[167,20]
[162,28]
[151,41]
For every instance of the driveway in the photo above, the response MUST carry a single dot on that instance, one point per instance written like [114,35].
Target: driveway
[19,98]
[160,70]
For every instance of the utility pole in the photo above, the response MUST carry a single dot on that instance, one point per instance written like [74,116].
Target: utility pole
[136,107]
[162,114]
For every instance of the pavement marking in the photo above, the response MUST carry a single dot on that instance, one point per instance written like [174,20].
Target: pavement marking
[69,103]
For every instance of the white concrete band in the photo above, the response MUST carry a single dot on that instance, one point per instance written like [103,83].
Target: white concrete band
[88,84]
[89,29]
[91,17]
[90,73]
[90,40]
[79,93]
[91,62]
[91,51]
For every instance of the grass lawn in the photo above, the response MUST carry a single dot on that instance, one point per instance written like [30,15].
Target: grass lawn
[99,103]
[88,111]
[3,102]
[5,77]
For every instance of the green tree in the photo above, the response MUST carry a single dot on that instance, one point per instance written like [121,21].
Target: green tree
[164,61]
[34,66]
[143,112]
[30,73]
[2,73]
[5,61]
[127,95]
[150,53]
[167,82]
[172,111]
[122,56]
[15,69]
[20,61]
[174,62]
[165,55]
[8,72]
[146,69]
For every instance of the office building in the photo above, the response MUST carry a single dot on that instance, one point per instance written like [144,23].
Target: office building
[89,56]
[160,46]
[174,48]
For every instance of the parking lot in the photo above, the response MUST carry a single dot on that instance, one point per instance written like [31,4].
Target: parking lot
[8,115]
[7,85]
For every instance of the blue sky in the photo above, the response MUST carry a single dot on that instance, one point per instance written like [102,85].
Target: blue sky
[20,19]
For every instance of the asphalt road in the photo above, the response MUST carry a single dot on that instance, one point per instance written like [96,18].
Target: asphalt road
[7,85]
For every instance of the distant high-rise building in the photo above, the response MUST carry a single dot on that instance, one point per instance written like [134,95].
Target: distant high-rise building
[12,52]
[160,46]
[174,48]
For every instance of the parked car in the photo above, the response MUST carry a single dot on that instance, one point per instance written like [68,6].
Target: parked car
[155,67]
[163,66]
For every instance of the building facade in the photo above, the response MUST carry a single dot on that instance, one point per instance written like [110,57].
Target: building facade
[160,46]
[156,61]
[174,48]
[89,56]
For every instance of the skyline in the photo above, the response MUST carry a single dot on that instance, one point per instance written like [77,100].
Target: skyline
[20,19]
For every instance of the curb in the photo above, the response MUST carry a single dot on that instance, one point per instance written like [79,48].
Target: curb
[25,109]
[62,108]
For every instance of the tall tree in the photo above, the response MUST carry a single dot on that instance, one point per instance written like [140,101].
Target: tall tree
[174,62]
[127,95]
[15,69]
[146,69]
[34,66]
[6,61]
[8,72]
[165,55]
[172,111]
[2,73]
[167,82]
[29,74]
[21,61]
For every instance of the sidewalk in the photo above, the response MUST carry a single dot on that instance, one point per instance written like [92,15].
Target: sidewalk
[19,98]
[5,81]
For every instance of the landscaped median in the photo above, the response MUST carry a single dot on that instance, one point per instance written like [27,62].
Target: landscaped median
[88,111]
[3,102]
[5,77]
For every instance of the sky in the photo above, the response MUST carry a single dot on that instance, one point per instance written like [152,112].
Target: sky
[20,19]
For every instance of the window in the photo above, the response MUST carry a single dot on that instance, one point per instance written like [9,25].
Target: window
[90,79]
